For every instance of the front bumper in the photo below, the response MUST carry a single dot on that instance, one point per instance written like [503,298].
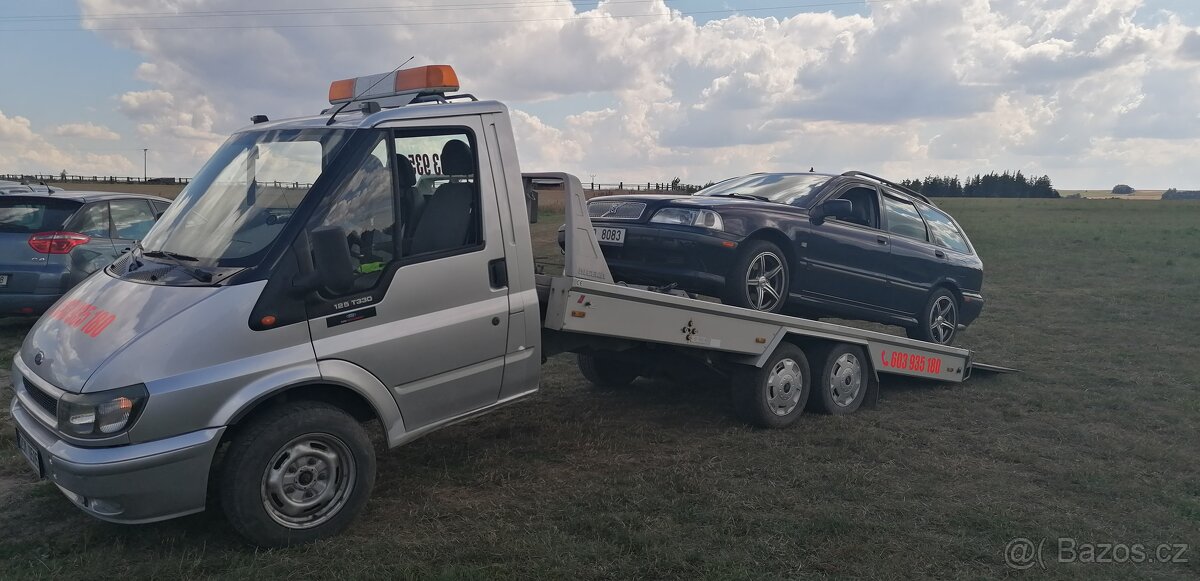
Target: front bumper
[693,258]
[130,484]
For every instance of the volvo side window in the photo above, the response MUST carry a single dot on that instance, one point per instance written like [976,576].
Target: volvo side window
[865,206]
[439,192]
[903,219]
[943,230]
[364,208]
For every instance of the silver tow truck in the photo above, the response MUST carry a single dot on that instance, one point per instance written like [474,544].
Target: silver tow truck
[372,262]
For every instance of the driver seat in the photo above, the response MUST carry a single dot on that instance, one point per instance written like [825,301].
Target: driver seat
[447,218]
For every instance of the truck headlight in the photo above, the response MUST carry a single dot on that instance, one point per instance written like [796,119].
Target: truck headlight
[688,217]
[103,414]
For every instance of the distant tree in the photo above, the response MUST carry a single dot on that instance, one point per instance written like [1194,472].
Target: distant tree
[991,185]
[63,175]
[1122,190]
[675,184]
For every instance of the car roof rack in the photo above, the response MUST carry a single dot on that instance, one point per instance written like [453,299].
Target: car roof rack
[863,174]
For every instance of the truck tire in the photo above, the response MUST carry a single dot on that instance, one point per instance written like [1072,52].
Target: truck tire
[760,265]
[607,370]
[841,379]
[300,472]
[938,321]
[774,395]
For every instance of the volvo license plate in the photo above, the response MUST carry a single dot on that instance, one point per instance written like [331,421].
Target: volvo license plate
[614,236]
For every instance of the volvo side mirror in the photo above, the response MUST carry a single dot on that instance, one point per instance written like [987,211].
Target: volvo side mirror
[832,209]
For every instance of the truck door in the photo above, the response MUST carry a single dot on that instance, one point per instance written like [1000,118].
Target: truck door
[424,317]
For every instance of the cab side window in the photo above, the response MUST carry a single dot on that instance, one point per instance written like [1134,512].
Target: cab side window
[439,192]
[365,209]
[92,220]
[903,219]
[865,202]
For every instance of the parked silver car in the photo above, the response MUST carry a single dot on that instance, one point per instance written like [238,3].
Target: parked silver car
[51,242]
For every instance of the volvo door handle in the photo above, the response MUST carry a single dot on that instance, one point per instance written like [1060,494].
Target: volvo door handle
[939,254]
[881,240]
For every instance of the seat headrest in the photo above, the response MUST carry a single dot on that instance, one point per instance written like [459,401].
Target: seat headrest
[457,159]
[408,174]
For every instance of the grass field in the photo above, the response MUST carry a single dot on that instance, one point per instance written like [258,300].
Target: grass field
[1096,441]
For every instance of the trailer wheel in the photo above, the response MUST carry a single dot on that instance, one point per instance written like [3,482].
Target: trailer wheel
[774,395]
[298,473]
[607,370]
[840,379]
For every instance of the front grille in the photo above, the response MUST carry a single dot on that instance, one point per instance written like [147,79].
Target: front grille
[44,400]
[616,209]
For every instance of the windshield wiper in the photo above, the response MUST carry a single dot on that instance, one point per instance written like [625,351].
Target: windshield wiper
[177,260]
[744,196]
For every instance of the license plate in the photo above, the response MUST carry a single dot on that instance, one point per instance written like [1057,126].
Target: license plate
[3,280]
[614,236]
[30,452]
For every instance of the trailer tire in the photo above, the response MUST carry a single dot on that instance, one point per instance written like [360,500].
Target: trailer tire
[607,370]
[774,395]
[841,379]
[298,473]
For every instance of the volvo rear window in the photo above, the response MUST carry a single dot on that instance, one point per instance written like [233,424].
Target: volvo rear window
[28,215]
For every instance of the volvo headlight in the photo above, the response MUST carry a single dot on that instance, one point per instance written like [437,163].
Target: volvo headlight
[689,217]
[100,415]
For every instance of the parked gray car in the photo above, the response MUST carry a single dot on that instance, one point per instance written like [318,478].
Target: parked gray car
[51,242]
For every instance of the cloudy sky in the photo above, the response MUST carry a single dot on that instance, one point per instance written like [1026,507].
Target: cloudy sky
[1091,92]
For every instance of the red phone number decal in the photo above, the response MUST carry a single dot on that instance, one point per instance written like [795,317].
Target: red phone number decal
[80,315]
[911,362]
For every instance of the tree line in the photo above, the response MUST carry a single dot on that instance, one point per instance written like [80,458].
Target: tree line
[990,185]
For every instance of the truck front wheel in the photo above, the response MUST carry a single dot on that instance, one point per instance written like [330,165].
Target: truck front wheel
[298,473]
[607,370]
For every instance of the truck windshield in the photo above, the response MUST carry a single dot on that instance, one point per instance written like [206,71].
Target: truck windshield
[242,198]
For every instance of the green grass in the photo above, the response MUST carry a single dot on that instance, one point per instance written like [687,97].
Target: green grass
[1096,440]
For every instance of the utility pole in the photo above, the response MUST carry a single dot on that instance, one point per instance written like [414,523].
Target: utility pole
[145,158]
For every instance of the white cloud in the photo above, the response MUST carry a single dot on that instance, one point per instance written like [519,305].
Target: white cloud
[86,131]
[24,150]
[1045,86]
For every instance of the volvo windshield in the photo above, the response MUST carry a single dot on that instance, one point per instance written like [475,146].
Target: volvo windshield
[237,205]
[769,187]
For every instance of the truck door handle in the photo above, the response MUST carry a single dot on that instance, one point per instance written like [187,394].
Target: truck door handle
[939,254]
[498,273]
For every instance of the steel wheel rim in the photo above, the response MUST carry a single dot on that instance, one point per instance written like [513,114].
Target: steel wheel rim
[943,319]
[308,481]
[785,384]
[845,380]
[765,281]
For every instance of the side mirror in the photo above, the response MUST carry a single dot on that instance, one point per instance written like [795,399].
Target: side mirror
[331,258]
[832,209]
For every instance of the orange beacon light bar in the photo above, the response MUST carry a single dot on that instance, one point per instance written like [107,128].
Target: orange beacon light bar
[430,79]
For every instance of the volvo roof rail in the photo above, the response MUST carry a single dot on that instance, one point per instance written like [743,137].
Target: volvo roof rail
[909,191]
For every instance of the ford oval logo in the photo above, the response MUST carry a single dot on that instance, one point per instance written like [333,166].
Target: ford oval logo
[39,358]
